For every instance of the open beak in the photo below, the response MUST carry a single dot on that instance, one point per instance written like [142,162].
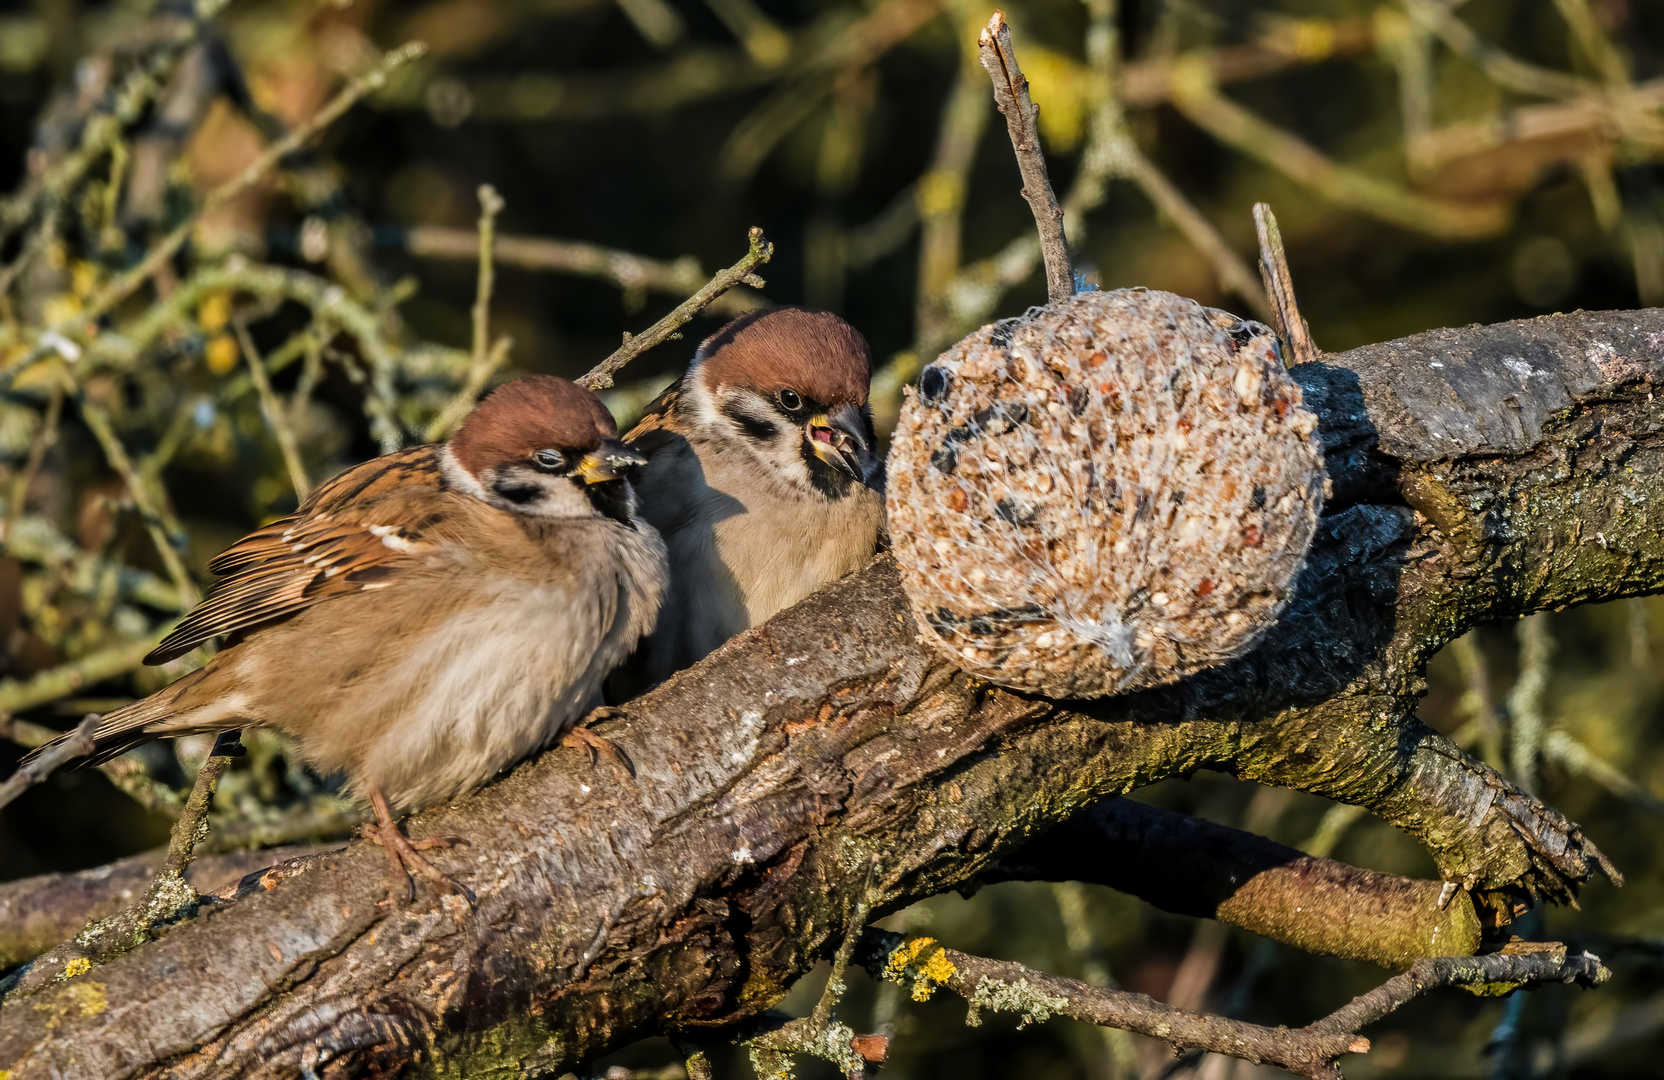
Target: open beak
[843,439]
[609,461]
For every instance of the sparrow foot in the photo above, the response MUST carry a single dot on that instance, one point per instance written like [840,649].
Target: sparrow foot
[404,855]
[580,735]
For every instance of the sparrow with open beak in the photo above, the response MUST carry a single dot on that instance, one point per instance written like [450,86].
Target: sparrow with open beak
[763,477]
[428,618]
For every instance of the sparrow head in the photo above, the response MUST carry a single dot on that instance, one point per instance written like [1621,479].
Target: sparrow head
[544,447]
[791,386]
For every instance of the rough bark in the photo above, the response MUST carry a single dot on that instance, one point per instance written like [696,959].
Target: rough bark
[826,763]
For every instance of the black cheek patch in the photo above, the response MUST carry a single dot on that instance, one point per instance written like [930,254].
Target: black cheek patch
[516,493]
[752,427]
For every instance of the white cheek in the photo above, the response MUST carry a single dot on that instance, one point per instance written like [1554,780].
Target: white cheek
[458,477]
[781,458]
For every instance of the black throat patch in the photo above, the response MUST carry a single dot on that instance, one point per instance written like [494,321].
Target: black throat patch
[830,481]
[611,498]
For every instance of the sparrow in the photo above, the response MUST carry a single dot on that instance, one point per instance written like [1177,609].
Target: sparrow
[428,618]
[762,477]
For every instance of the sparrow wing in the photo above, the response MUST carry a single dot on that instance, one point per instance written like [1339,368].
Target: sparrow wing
[659,416]
[673,474]
[353,533]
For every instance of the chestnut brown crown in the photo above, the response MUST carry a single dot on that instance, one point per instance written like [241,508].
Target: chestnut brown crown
[814,353]
[530,414]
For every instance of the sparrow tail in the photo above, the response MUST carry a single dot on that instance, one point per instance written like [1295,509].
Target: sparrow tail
[156,716]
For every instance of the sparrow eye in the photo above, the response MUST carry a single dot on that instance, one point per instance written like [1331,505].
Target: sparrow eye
[790,401]
[549,459]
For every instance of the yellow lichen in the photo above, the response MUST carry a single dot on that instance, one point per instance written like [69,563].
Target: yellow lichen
[922,962]
[78,966]
[73,1001]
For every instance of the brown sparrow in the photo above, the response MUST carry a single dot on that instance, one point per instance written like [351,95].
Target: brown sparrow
[762,477]
[428,618]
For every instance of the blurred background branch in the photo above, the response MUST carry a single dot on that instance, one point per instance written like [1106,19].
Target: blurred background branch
[241,250]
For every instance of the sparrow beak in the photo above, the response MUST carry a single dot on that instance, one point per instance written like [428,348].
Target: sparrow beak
[842,438]
[609,461]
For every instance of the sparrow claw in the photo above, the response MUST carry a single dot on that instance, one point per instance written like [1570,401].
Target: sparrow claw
[404,856]
[579,735]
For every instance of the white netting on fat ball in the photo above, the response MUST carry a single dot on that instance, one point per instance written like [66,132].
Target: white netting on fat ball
[1106,494]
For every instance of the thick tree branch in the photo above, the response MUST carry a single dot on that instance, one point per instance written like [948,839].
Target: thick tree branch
[1193,867]
[827,763]
[39,912]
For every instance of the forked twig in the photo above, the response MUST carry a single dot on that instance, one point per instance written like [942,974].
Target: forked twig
[600,377]
[1312,1051]
[1279,287]
[1011,95]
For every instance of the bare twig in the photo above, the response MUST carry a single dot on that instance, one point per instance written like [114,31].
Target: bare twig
[66,678]
[484,359]
[1279,287]
[126,772]
[1501,68]
[1477,703]
[1527,721]
[321,817]
[1547,963]
[970,297]
[114,292]
[491,204]
[1074,909]
[600,377]
[1564,749]
[191,828]
[36,540]
[633,273]
[1112,149]
[473,384]
[271,408]
[33,772]
[1233,273]
[102,130]
[44,438]
[1011,95]
[1592,39]
[157,521]
[1197,96]
[1311,1051]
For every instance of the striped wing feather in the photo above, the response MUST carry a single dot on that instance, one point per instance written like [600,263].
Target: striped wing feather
[355,532]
